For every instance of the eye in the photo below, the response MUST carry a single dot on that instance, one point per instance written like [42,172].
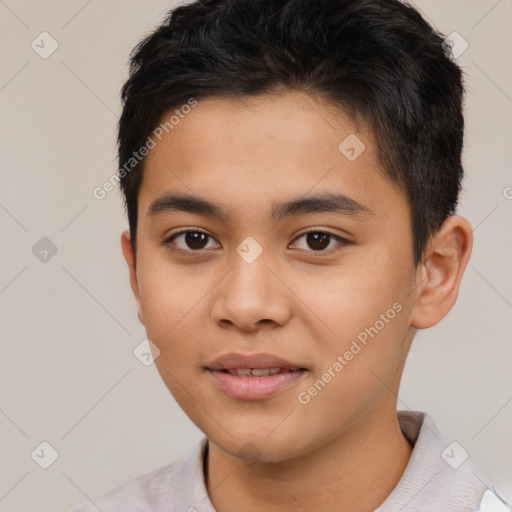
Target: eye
[318,241]
[194,240]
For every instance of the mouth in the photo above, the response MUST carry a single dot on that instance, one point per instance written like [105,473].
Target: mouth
[254,377]
[257,372]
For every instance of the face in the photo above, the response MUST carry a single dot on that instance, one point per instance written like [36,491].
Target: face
[280,302]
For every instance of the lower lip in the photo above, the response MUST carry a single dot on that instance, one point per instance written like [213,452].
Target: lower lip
[254,388]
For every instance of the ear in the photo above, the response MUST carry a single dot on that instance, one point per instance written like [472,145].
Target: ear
[129,256]
[440,272]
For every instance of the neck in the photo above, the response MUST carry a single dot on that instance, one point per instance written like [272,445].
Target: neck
[353,472]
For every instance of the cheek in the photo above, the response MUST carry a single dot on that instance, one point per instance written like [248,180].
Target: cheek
[366,312]
[169,295]
[174,300]
[353,297]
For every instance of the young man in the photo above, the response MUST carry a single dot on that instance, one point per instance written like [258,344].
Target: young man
[291,171]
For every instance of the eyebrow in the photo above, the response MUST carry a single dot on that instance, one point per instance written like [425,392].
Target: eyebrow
[321,203]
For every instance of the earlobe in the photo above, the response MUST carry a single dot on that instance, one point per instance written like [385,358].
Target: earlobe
[129,256]
[440,274]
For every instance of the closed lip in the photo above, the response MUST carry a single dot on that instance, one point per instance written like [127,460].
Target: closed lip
[235,361]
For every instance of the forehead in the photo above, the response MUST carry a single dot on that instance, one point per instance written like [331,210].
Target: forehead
[250,152]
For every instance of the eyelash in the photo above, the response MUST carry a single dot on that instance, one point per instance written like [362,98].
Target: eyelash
[342,241]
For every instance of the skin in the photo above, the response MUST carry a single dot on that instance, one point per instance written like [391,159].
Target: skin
[343,450]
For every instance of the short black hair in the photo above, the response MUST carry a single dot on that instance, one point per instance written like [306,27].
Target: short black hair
[379,61]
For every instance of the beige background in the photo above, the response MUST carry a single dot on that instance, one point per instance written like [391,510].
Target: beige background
[69,326]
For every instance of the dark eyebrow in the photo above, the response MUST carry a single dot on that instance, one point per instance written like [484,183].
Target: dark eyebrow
[325,202]
[321,203]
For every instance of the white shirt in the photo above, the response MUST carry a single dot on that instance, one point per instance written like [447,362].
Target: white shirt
[438,478]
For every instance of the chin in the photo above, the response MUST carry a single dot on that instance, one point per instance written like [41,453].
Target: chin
[259,451]
[258,444]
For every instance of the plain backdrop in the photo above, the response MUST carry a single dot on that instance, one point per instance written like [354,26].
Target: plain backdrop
[69,325]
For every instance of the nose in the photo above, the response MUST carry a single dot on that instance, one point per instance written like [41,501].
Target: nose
[251,297]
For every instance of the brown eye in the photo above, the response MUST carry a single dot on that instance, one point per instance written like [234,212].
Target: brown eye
[192,240]
[319,241]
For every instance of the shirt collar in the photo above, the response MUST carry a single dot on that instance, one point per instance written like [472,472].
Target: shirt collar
[438,476]
[429,482]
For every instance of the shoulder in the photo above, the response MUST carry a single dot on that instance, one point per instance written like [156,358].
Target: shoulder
[439,476]
[167,488]
[141,493]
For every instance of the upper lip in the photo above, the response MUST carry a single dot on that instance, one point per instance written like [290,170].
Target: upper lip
[235,361]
